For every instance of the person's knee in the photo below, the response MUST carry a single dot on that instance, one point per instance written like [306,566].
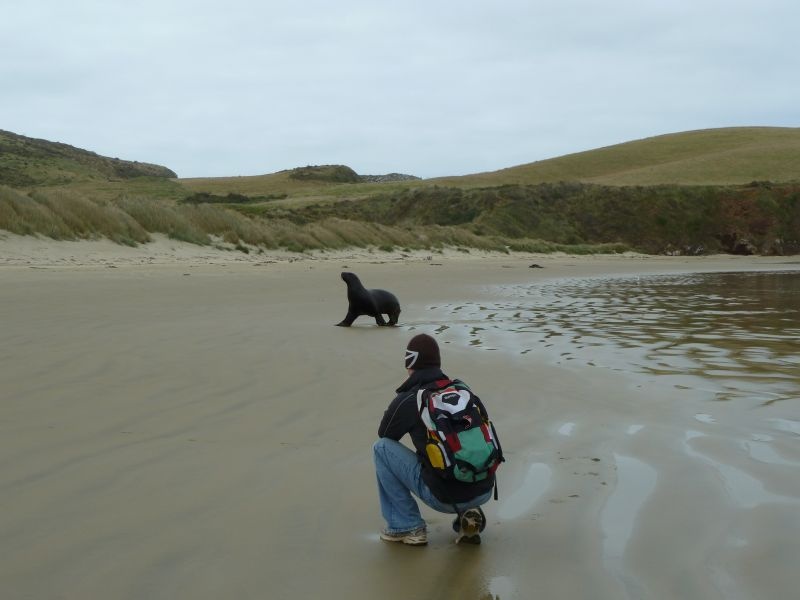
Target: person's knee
[379,447]
[385,451]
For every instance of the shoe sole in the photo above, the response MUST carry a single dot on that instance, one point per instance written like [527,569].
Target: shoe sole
[415,541]
[471,522]
[475,540]
[410,540]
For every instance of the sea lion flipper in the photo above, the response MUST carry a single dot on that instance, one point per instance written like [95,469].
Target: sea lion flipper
[348,319]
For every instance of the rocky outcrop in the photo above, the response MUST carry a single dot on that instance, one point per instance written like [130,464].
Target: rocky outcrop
[387,178]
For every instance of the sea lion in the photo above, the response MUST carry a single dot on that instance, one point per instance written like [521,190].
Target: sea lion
[373,303]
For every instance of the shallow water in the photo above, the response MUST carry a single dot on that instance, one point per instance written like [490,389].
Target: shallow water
[714,361]
[725,336]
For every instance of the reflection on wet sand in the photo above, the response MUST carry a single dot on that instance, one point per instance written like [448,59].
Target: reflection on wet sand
[741,488]
[730,336]
[635,482]
[525,497]
[501,587]
[763,452]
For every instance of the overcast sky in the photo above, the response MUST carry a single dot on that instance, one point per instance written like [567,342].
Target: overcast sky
[429,88]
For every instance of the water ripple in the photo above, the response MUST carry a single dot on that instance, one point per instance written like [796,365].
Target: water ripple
[731,335]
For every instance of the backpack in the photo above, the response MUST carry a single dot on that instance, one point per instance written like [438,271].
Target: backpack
[462,443]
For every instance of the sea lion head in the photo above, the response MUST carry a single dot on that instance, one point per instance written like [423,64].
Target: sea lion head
[350,278]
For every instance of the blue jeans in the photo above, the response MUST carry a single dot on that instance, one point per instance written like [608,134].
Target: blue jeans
[399,474]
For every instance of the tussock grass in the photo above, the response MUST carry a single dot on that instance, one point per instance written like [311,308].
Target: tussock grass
[572,218]
[21,214]
[159,217]
[87,219]
[360,233]
[233,226]
[64,215]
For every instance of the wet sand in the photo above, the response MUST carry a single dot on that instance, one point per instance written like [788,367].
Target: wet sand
[183,423]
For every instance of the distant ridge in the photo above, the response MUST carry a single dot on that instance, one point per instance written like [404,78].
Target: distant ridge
[724,156]
[26,162]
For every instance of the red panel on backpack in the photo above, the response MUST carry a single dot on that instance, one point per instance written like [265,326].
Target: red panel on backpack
[453,442]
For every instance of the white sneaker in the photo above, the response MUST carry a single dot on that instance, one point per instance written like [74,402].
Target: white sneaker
[415,537]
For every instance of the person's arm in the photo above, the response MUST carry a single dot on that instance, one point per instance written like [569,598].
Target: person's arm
[399,417]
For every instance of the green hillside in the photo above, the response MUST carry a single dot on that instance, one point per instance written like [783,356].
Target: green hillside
[725,190]
[728,156]
[302,185]
[758,218]
[26,162]
[706,157]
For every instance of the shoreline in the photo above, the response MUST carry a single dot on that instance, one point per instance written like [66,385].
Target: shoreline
[37,251]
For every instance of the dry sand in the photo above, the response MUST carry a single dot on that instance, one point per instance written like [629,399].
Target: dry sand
[178,422]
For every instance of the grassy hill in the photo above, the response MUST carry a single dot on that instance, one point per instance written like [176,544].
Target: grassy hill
[727,156]
[28,162]
[729,190]
[706,157]
[302,185]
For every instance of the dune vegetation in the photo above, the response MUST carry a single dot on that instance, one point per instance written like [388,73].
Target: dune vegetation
[130,220]
[727,190]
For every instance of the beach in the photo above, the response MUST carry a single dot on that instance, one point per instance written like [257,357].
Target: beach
[178,421]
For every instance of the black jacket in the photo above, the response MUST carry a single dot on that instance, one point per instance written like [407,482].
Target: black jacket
[402,417]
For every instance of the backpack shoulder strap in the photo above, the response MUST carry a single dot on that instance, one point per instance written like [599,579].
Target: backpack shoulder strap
[422,409]
[420,400]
